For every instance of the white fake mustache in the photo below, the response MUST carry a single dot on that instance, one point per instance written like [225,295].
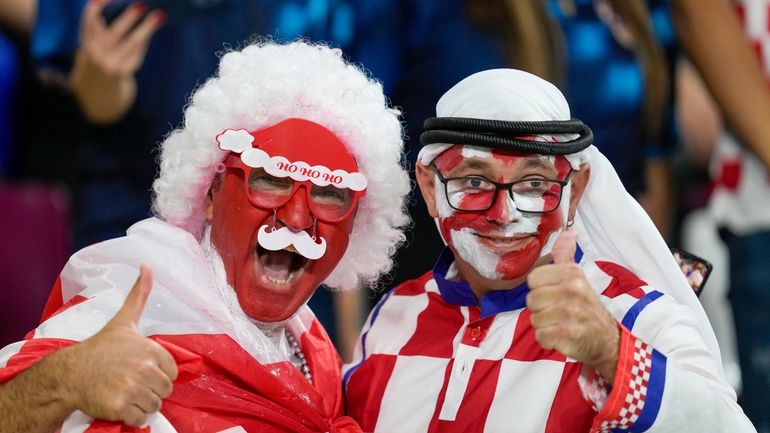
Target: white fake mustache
[276,240]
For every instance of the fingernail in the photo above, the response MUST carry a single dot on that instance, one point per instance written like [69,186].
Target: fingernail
[160,16]
[140,7]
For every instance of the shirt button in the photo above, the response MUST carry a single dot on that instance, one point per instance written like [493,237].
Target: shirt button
[475,333]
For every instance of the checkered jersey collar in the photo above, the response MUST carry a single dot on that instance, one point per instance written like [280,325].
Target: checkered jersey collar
[494,302]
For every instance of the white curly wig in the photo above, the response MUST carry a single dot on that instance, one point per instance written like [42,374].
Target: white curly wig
[267,82]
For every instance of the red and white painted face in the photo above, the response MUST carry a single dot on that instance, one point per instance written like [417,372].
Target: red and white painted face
[276,247]
[501,243]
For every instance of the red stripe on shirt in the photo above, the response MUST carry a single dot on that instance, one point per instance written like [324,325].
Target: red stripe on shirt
[472,415]
[570,412]
[368,384]
[525,347]
[438,322]
[623,281]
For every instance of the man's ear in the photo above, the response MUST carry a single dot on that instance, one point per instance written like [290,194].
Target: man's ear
[208,205]
[579,182]
[427,182]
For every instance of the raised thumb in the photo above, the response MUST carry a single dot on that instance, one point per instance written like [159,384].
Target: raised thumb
[564,248]
[133,306]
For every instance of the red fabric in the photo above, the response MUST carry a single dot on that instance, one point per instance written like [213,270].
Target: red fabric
[616,400]
[375,374]
[436,324]
[472,414]
[345,424]
[54,301]
[30,353]
[376,385]
[221,386]
[525,347]
[624,282]
[569,410]
[730,174]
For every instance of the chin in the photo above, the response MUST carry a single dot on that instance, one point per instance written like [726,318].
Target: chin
[275,294]
[266,310]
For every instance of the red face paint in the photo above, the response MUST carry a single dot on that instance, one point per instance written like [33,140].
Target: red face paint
[500,243]
[272,285]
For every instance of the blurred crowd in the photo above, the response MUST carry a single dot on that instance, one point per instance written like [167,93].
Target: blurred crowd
[675,91]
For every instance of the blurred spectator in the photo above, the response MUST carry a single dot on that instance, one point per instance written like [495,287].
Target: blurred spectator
[727,60]
[130,75]
[9,69]
[34,221]
[700,124]
[15,21]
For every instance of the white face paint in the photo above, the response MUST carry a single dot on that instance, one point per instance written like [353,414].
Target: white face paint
[476,151]
[502,242]
[475,254]
[467,244]
[564,209]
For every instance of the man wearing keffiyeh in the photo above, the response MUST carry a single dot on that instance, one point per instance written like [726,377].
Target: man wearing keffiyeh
[286,174]
[556,305]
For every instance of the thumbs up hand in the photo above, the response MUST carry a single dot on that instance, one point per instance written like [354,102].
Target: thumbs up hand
[567,314]
[119,375]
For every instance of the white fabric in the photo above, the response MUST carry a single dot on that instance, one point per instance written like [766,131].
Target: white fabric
[507,383]
[189,296]
[609,222]
[742,208]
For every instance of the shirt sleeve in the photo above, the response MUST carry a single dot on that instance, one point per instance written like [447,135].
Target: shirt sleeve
[666,379]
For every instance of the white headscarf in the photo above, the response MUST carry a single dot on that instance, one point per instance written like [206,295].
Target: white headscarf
[609,222]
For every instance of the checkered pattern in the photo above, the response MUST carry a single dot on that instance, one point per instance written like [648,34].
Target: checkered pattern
[424,369]
[637,379]
[594,386]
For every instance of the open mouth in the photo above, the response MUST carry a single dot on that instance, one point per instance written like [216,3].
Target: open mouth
[280,267]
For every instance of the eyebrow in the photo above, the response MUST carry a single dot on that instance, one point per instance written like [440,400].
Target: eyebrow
[531,163]
[538,162]
[476,164]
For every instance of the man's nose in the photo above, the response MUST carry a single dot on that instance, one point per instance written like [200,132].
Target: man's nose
[503,210]
[295,214]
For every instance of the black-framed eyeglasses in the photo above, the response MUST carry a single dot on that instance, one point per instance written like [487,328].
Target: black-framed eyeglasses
[478,194]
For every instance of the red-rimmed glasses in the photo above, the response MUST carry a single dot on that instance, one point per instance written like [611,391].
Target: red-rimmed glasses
[327,203]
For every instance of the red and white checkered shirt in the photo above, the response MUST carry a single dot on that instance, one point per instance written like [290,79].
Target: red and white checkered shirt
[433,359]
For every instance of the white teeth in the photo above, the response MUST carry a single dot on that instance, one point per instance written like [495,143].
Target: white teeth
[280,282]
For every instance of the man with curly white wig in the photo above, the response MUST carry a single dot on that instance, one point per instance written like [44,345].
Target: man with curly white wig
[286,174]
